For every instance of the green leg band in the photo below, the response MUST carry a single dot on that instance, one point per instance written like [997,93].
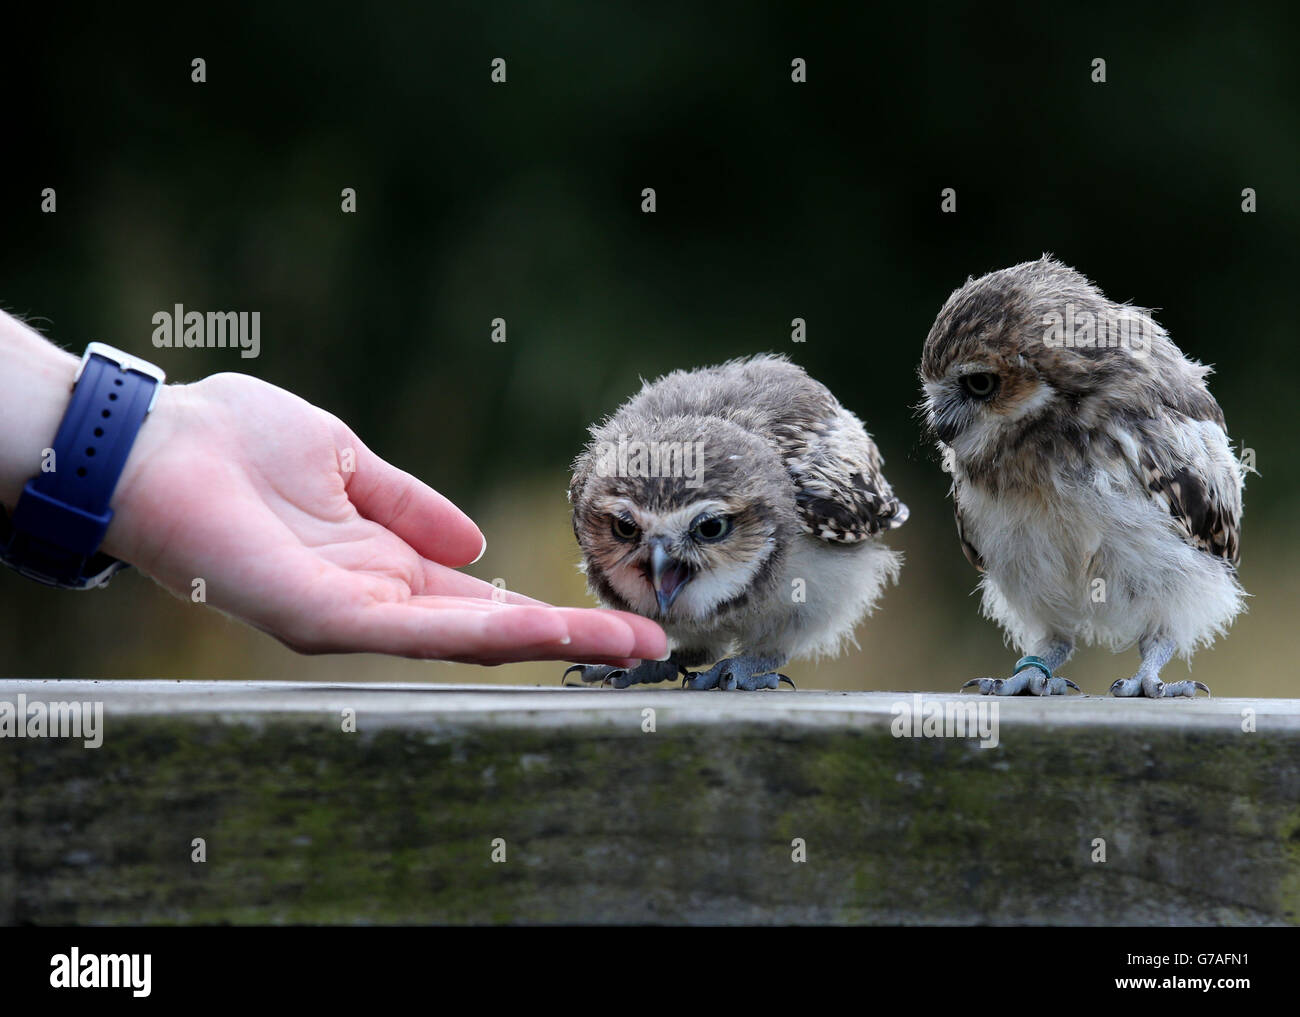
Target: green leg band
[1037,662]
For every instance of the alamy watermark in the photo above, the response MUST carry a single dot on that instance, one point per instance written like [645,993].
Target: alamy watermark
[647,459]
[967,718]
[1129,327]
[180,328]
[39,719]
[75,970]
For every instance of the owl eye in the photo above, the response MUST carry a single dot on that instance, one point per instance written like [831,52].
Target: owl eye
[711,528]
[980,385]
[624,529]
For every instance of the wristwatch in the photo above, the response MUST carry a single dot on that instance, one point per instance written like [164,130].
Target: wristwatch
[62,514]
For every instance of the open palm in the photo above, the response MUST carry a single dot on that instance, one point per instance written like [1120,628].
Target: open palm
[294,526]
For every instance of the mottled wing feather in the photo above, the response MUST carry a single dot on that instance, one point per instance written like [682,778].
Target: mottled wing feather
[841,493]
[1205,509]
[967,548]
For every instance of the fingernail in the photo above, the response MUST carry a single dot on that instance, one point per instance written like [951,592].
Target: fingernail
[482,551]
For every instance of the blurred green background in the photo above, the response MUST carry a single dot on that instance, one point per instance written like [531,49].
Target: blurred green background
[522,201]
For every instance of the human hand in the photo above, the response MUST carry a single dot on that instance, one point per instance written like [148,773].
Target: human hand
[248,487]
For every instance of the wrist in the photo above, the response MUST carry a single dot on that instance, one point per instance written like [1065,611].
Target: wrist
[35,388]
[43,412]
[129,533]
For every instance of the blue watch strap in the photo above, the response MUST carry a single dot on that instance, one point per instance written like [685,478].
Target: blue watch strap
[62,515]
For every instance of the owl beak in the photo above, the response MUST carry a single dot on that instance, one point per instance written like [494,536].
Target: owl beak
[667,575]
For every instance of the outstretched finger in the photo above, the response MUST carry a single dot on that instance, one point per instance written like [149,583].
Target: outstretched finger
[430,523]
[426,629]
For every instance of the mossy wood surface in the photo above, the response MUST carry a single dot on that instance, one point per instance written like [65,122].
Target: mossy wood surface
[603,821]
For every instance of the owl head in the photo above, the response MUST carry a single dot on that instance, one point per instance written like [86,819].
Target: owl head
[1032,347]
[679,516]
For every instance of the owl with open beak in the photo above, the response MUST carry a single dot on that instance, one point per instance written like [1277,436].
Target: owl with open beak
[741,507]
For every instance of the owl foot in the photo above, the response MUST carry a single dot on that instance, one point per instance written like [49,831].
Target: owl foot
[746,673]
[647,672]
[1154,688]
[1028,682]
[1146,683]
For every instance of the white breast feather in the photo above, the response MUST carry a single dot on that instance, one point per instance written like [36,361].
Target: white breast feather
[840,586]
[1043,551]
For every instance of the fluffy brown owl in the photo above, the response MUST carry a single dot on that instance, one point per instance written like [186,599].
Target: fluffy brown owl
[1093,481]
[740,507]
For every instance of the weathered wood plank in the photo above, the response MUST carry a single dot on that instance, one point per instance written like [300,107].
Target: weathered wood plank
[605,822]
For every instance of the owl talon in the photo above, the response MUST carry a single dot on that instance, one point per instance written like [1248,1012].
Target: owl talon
[745,673]
[701,680]
[645,673]
[591,673]
[1013,686]
[1028,682]
[761,681]
[1137,687]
